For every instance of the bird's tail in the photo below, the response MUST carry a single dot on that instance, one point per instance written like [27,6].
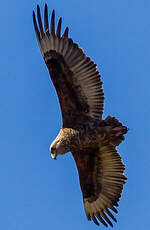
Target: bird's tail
[116,131]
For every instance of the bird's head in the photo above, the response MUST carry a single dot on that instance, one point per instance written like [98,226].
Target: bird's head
[63,143]
[58,147]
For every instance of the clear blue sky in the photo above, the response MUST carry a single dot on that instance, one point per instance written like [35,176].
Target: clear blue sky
[40,193]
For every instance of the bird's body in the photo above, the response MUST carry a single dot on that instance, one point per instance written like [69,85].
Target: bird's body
[91,140]
[91,134]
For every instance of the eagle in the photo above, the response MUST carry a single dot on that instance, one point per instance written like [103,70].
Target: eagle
[91,140]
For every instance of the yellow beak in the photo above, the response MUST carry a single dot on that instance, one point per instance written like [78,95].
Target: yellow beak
[53,155]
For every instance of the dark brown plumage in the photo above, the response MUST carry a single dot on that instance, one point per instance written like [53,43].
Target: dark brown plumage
[91,140]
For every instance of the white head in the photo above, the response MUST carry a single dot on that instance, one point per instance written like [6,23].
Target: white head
[59,146]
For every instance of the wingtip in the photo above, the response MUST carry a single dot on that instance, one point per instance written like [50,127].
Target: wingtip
[65,35]
[53,15]
[53,23]
[38,9]
[36,26]
[46,24]
[58,32]
[33,15]
[45,8]
[40,21]
[34,18]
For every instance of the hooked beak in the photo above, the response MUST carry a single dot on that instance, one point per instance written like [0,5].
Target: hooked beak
[53,154]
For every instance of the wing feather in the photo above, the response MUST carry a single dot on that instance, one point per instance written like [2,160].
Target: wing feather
[65,35]
[101,175]
[40,21]
[53,23]
[85,79]
[36,27]
[46,24]
[58,32]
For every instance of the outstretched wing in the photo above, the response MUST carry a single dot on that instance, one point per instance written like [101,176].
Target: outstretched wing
[101,179]
[74,75]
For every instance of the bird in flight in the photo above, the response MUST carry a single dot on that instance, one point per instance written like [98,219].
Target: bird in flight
[91,140]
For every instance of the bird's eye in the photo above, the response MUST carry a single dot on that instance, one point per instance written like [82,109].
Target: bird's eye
[53,150]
